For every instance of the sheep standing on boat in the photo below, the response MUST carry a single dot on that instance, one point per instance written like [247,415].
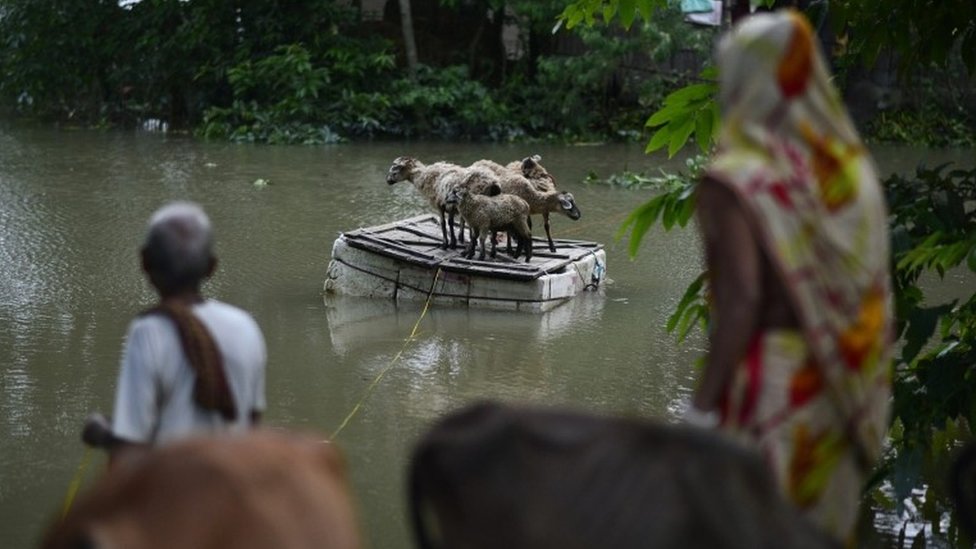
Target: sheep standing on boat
[434,182]
[488,214]
[532,183]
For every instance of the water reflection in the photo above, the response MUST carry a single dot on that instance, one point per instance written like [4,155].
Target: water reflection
[356,323]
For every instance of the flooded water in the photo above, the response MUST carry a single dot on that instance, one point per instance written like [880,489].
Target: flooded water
[73,207]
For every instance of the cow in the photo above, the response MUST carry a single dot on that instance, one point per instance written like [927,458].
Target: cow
[261,489]
[492,476]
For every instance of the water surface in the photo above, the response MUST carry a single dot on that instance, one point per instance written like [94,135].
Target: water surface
[73,207]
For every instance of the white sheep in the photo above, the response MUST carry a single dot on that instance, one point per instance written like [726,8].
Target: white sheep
[491,212]
[434,182]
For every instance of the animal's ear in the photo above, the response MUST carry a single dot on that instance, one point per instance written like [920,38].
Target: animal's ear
[530,162]
[567,202]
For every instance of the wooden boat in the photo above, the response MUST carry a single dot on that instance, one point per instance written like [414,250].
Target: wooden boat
[404,260]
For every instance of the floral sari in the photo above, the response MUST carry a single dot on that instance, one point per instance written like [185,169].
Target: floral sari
[814,400]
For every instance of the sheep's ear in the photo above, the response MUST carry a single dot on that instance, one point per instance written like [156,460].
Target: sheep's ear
[529,162]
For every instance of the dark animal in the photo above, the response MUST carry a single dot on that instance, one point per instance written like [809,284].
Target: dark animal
[492,476]
[258,490]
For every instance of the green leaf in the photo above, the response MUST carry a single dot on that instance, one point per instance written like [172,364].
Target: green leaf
[690,296]
[628,9]
[921,326]
[687,94]
[659,139]
[680,136]
[663,115]
[703,130]
[639,221]
[646,8]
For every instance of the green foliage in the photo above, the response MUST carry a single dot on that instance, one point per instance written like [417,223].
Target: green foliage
[929,127]
[448,103]
[273,99]
[686,111]
[933,230]
[587,11]
[674,206]
[919,31]
[602,93]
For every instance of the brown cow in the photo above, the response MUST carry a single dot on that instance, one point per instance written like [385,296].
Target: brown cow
[263,489]
[492,476]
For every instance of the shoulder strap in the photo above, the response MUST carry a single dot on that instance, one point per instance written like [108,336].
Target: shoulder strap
[211,390]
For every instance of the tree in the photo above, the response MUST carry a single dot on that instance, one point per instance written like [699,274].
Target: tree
[409,43]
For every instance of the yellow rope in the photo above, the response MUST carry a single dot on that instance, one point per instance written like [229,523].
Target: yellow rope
[69,498]
[376,380]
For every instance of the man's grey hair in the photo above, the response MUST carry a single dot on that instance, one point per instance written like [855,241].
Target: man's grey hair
[179,243]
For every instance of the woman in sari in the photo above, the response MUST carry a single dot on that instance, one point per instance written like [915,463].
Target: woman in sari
[796,242]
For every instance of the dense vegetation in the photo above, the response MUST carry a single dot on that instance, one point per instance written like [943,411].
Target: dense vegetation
[320,71]
[316,71]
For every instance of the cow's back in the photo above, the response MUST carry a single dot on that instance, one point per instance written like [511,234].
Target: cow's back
[494,476]
[263,489]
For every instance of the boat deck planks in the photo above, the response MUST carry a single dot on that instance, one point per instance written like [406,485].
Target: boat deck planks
[417,240]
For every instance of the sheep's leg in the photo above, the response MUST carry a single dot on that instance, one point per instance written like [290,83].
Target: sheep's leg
[444,230]
[450,224]
[545,219]
[525,236]
[481,238]
[461,232]
[471,244]
[494,243]
[511,233]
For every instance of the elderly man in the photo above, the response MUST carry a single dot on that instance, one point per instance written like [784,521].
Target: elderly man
[190,365]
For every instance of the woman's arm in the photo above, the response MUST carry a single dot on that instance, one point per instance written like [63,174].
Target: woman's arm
[734,264]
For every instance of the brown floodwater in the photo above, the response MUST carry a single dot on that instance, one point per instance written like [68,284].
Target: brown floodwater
[73,207]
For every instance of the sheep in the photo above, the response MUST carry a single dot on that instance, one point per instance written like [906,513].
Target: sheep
[529,167]
[434,182]
[487,214]
[539,190]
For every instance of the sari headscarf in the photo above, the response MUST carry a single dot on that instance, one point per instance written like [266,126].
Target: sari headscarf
[790,153]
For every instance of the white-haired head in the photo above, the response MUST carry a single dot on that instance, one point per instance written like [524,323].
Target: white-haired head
[178,250]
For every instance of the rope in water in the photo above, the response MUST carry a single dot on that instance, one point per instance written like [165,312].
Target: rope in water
[393,361]
[69,497]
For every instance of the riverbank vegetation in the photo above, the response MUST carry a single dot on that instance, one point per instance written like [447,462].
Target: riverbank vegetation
[325,71]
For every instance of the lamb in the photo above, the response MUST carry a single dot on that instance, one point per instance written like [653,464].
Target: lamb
[538,191]
[434,182]
[487,214]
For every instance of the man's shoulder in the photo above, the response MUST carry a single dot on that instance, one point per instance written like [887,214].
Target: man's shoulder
[213,310]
